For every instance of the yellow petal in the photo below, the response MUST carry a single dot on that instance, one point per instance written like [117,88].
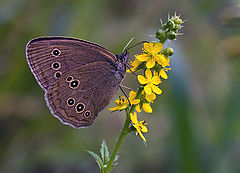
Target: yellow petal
[142,79]
[133,118]
[122,107]
[150,97]
[132,95]
[156,90]
[148,74]
[156,80]
[143,127]
[114,108]
[135,101]
[117,102]
[142,57]
[148,89]
[138,109]
[161,60]
[148,47]
[136,63]
[141,135]
[147,108]
[167,60]
[150,63]
[157,47]
[157,58]
[163,74]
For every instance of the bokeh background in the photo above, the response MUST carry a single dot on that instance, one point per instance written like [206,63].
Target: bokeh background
[195,126]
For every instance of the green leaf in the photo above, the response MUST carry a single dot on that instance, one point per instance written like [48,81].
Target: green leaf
[98,160]
[104,152]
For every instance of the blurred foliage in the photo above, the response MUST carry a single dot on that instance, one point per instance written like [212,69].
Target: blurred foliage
[195,126]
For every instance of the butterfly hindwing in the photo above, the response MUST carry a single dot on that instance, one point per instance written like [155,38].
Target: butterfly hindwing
[80,94]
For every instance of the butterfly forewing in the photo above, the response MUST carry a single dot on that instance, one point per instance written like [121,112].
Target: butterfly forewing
[51,57]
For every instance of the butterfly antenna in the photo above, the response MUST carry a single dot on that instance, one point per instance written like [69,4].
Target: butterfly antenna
[137,44]
[128,44]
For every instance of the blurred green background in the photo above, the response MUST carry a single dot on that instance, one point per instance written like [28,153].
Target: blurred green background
[195,126]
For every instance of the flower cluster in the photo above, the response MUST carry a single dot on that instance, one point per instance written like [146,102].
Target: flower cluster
[150,66]
[153,63]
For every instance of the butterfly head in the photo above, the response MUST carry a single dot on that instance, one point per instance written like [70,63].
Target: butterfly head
[123,56]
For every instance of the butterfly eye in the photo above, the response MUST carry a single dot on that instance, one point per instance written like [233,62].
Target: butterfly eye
[87,114]
[56,52]
[74,84]
[56,65]
[70,101]
[57,74]
[69,78]
[80,107]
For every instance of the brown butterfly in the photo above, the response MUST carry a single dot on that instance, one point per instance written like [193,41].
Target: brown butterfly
[79,77]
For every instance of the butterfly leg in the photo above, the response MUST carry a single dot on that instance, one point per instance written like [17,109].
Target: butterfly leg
[120,86]
[129,67]
[130,89]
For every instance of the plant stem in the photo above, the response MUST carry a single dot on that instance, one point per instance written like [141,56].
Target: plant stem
[124,132]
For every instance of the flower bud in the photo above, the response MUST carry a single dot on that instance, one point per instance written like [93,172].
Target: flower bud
[177,27]
[160,34]
[171,35]
[168,51]
[165,27]
[170,25]
[177,20]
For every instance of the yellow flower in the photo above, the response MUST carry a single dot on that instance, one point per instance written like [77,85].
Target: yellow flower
[145,106]
[165,62]
[150,98]
[163,73]
[134,65]
[140,126]
[150,82]
[132,99]
[122,103]
[152,54]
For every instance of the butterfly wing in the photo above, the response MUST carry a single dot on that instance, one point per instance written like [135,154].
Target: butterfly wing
[76,102]
[51,57]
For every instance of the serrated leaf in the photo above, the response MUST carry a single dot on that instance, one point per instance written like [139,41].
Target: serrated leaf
[98,160]
[104,152]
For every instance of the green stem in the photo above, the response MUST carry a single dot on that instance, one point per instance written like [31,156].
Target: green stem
[124,132]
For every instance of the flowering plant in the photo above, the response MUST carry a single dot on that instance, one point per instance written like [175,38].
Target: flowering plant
[153,63]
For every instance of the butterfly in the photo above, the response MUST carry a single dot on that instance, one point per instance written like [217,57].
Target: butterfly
[79,78]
